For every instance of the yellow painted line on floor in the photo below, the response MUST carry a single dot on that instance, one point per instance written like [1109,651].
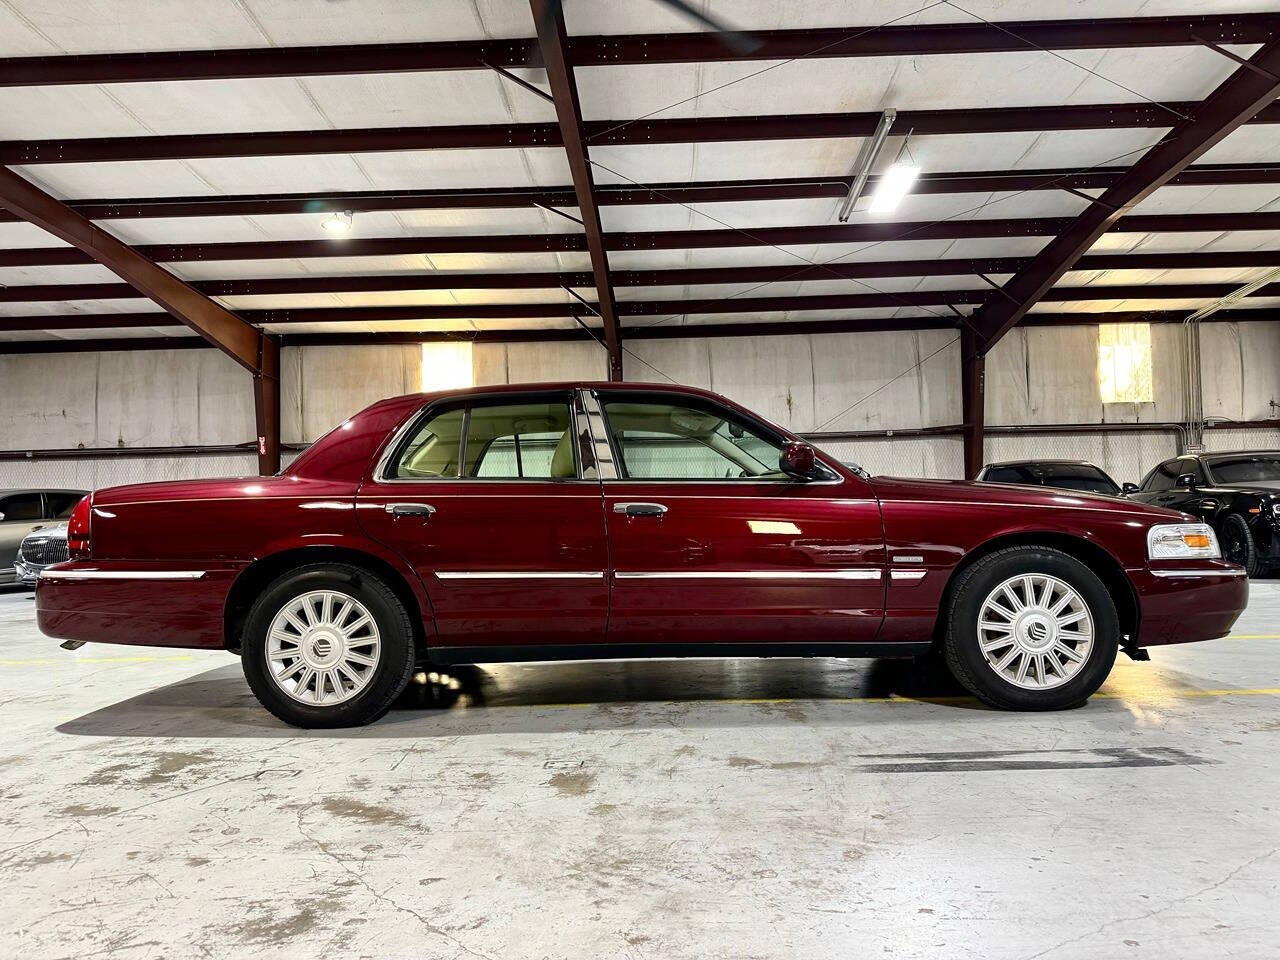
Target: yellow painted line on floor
[1254,636]
[66,660]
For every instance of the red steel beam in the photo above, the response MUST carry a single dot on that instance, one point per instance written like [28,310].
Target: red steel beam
[710,191]
[552,41]
[1240,98]
[866,269]
[520,135]
[638,308]
[238,339]
[661,332]
[854,41]
[653,240]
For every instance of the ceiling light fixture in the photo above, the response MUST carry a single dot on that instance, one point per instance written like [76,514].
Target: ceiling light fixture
[866,159]
[896,182]
[336,223]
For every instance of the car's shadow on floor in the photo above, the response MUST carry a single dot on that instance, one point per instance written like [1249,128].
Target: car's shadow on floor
[552,697]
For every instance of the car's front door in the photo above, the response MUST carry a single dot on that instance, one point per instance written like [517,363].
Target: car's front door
[489,500]
[713,545]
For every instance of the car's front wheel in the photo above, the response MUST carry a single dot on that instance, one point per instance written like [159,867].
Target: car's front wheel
[328,646]
[1031,628]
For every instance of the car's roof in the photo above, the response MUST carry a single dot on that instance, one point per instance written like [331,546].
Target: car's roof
[12,490]
[1018,463]
[1219,454]
[567,385]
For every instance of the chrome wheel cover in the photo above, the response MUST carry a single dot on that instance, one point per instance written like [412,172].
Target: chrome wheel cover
[1035,631]
[323,648]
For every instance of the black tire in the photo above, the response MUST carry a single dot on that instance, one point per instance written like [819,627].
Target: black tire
[1238,545]
[961,645]
[390,676]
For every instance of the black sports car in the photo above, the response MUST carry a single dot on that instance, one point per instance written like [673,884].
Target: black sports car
[1068,474]
[1237,493]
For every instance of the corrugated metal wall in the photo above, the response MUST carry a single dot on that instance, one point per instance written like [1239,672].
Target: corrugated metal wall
[829,382]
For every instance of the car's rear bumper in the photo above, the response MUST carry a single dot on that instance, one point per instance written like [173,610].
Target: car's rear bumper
[1189,603]
[147,604]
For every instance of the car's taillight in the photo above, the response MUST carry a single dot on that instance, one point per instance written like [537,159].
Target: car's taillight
[79,540]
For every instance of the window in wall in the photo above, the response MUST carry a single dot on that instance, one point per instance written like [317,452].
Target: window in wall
[1124,362]
[446,366]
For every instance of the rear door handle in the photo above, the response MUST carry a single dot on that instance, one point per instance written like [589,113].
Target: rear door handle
[410,509]
[640,509]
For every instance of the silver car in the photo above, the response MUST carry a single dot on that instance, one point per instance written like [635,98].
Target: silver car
[21,512]
[39,549]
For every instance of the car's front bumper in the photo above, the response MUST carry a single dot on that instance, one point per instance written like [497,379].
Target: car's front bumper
[1189,602]
[25,573]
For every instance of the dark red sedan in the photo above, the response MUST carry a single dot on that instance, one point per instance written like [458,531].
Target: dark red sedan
[609,520]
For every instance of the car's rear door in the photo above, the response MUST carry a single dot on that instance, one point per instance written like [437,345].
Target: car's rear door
[495,504]
[713,546]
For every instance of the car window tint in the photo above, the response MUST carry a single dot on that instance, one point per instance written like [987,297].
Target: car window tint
[1078,476]
[1257,469]
[1162,477]
[21,506]
[674,441]
[432,451]
[62,504]
[1009,474]
[520,441]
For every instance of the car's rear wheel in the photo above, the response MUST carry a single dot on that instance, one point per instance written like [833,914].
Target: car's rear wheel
[328,645]
[1238,545]
[1031,628]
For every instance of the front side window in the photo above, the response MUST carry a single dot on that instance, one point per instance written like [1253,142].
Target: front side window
[687,440]
[1162,477]
[20,507]
[62,504]
[526,440]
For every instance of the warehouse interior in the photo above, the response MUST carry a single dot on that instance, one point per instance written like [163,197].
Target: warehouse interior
[226,227]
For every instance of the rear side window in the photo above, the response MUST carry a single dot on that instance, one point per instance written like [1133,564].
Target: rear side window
[532,439]
[61,504]
[520,441]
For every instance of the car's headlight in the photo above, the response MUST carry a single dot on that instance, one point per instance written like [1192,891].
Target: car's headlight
[1182,541]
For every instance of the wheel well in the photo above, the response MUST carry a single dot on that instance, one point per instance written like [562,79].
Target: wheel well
[255,578]
[1098,560]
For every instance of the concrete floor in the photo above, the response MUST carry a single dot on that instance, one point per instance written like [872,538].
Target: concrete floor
[736,809]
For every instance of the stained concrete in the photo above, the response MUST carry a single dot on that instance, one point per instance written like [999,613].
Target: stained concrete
[735,809]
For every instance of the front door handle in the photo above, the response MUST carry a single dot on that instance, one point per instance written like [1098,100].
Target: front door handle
[640,509]
[424,510]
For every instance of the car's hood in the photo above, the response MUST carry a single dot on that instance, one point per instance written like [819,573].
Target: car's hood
[996,494]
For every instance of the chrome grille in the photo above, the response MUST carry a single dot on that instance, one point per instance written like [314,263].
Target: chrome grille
[42,551]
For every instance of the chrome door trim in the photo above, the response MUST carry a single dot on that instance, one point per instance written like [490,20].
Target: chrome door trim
[519,575]
[1199,573]
[857,574]
[51,574]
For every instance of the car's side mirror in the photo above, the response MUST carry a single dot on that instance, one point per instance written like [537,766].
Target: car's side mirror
[1129,488]
[798,460]
[1186,481]
[1,518]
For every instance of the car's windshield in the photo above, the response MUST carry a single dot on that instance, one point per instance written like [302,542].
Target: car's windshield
[1256,468]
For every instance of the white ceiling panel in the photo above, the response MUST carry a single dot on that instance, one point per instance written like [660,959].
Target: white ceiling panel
[590,16]
[1197,199]
[111,26]
[1253,143]
[970,82]
[382,21]
[80,273]
[450,169]
[439,98]
[22,234]
[48,308]
[1102,278]
[147,178]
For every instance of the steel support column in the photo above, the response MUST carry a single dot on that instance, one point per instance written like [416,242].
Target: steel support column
[972,399]
[564,90]
[266,406]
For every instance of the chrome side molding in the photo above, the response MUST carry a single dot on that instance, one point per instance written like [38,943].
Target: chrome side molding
[51,574]
[858,574]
